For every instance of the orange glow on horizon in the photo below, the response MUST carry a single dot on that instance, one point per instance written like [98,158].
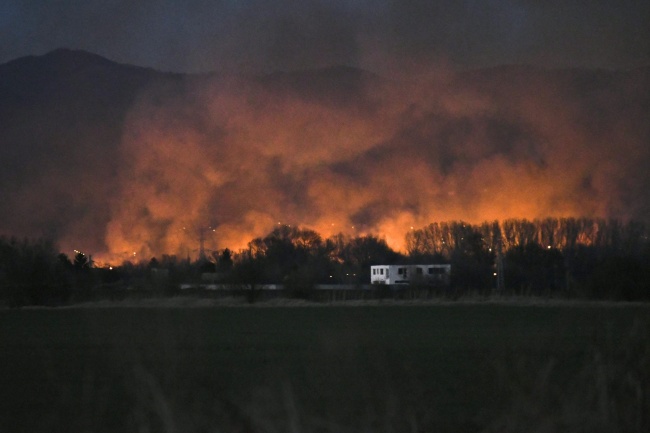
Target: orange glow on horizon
[245,161]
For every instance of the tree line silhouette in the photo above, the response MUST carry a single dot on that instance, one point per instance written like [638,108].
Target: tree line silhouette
[574,257]
[561,257]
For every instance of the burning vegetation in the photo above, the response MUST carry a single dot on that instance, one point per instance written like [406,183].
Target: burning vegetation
[377,159]
[124,168]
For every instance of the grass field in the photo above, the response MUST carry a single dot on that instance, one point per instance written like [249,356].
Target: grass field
[436,368]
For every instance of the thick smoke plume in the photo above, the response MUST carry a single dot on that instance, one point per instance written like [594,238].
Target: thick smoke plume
[233,157]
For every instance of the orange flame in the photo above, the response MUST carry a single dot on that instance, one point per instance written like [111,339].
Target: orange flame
[242,159]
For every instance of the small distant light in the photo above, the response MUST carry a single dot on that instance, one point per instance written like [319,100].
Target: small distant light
[110,268]
[549,247]
[330,276]
[495,274]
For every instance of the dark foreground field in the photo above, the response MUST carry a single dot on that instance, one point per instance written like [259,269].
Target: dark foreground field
[456,368]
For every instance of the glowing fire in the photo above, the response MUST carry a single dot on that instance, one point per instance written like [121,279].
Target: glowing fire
[241,158]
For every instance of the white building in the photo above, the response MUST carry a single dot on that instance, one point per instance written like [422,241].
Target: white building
[407,274]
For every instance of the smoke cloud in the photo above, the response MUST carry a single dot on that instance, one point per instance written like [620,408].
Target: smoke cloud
[374,156]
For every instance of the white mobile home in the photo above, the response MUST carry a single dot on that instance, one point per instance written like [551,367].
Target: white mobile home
[407,274]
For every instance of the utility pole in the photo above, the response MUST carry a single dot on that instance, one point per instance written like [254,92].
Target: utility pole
[500,284]
[202,257]
[200,231]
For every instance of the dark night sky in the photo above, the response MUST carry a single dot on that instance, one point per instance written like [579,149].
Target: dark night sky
[262,36]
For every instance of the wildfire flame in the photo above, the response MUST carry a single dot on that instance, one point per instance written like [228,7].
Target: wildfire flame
[242,157]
